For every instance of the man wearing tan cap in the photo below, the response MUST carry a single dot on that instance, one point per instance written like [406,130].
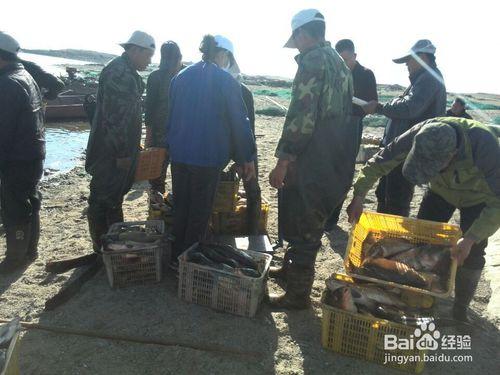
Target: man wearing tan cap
[115,135]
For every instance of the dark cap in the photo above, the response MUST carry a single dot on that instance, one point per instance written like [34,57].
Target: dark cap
[432,147]
[345,45]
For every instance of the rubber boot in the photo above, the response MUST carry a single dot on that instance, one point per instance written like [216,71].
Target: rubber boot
[298,290]
[18,239]
[253,217]
[35,236]
[98,227]
[465,286]
[280,272]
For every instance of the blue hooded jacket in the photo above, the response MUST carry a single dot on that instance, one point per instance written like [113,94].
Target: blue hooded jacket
[208,123]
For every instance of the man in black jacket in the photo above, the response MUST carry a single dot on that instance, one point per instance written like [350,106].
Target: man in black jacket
[22,152]
[458,109]
[365,87]
[48,83]
[424,99]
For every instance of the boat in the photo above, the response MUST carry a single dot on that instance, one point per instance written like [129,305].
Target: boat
[66,107]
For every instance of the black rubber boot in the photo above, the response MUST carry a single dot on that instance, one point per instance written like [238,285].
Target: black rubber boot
[18,239]
[98,227]
[465,286]
[35,236]
[298,290]
[253,217]
[280,272]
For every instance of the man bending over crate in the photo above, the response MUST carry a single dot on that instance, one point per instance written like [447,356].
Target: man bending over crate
[460,160]
[115,135]
[316,153]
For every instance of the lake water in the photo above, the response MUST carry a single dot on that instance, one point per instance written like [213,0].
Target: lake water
[65,145]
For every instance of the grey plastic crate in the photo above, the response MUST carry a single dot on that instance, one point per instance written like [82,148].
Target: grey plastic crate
[223,291]
[138,266]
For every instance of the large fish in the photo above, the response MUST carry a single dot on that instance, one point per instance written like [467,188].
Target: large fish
[427,258]
[366,295]
[387,247]
[7,332]
[391,270]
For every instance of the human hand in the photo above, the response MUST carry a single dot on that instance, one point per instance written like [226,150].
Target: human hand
[355,209]
[462,250]
[278,174]
[370,107]
[247,171]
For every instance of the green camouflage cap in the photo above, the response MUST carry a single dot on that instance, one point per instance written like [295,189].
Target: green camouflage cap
[431,149]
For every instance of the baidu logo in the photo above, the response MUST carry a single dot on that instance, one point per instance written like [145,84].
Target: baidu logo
[425,337]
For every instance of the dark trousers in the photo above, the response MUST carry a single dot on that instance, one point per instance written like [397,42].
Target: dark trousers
[20,198]
[394,193]
[158,184]
[254,202]
[302,224]
[334,217]
[435,208]
[194,191]
[108,186]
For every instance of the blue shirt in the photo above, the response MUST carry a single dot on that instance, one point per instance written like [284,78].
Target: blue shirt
[208,123]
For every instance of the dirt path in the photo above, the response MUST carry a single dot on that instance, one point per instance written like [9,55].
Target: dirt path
[289,341]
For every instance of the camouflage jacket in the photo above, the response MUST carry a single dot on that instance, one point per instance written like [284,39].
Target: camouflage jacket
[320,136]
[322,89]
[472,178]
[117,125]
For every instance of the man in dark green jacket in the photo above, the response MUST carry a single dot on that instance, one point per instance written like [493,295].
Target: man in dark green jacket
[115,136]
[460,159]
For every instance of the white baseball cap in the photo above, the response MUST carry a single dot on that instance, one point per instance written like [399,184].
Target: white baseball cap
[422,46]
[141,39]
[225,43]
[8,43]
[300,19]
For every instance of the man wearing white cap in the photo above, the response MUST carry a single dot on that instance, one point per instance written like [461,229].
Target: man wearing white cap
[424,99]
[22,153]
[316,154]
[115,135]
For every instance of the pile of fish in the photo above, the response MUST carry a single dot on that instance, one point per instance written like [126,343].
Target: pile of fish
[7,332]
[133,238]
[421,265]
[373,301]
[225,258]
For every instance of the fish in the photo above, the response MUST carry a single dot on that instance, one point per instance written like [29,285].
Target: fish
[346,301]
[366,295]
[427,258]
[238,255]
[248,272]
[8,330]
[217,257]
[391,270]
[388,247]
[401,316]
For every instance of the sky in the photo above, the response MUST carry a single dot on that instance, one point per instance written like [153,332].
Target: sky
[462,31]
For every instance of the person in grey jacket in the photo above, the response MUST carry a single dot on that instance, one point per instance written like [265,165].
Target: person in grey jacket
[424,99]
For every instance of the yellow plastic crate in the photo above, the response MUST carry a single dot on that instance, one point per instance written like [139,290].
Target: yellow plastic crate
[236,223]
[413,230]
[226,196]
[360,336]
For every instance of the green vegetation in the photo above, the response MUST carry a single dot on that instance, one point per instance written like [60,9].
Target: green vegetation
[271,111]
[281,93]
[375,121]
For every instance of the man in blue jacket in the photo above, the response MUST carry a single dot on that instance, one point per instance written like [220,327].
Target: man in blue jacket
[207,126]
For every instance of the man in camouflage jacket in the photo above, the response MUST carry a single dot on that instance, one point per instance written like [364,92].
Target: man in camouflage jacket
[114,140]
[316,153]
